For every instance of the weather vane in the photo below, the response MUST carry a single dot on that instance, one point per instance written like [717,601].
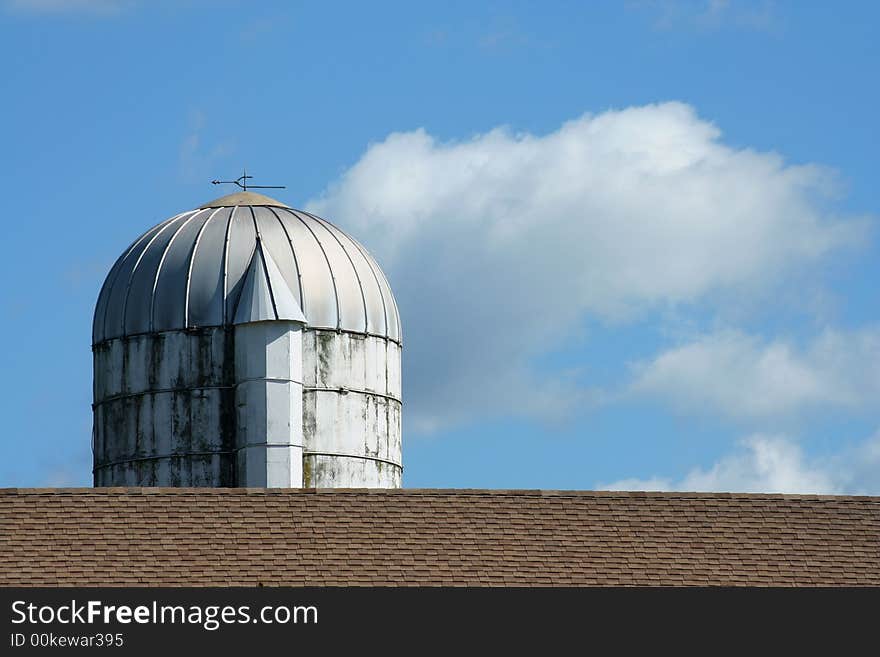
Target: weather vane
[242,182]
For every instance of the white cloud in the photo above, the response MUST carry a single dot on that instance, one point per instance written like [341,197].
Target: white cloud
[775,464]
[743,377]
[61,6]
[709,15]
[500,245]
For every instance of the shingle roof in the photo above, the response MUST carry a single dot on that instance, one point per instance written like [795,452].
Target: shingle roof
[246,537]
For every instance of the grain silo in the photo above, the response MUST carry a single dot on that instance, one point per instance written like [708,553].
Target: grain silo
[245,343]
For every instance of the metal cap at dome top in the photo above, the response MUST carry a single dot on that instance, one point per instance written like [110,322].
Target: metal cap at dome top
[243,198]
[193,269]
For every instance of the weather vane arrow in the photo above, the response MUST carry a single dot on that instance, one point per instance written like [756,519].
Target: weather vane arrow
[242,182]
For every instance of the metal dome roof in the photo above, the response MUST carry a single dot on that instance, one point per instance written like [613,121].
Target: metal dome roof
[241,258]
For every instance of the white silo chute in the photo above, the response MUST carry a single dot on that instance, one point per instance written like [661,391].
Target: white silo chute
[268,371]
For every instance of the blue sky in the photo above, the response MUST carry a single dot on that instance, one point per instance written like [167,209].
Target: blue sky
[633,243]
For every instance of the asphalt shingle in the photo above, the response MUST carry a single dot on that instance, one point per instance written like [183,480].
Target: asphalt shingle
[411,537]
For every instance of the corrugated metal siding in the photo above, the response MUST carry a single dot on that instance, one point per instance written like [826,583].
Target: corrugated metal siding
[166,413]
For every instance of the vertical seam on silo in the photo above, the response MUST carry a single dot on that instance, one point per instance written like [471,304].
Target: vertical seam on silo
[386,391]
[189,268]
[302,299]
[259,249]
[329,268]
[137,264]
[123,259]
[378,284]
[165,251]
[324,225]
[226,262]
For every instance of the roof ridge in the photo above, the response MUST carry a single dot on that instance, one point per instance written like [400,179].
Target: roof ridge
[439,492]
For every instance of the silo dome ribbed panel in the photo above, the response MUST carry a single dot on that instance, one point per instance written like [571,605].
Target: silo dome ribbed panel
[189,272]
